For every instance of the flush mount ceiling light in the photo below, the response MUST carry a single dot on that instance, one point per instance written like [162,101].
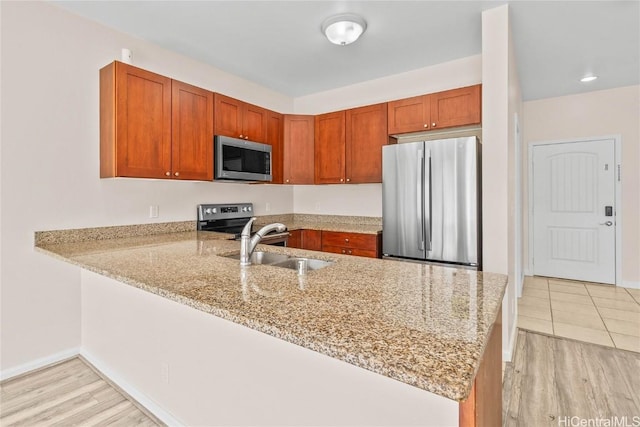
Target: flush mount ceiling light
[587,79]
[343,29]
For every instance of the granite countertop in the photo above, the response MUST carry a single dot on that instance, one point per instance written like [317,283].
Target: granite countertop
[423,325]
[345,224]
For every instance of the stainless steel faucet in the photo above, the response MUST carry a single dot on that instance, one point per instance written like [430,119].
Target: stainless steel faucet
[248,244]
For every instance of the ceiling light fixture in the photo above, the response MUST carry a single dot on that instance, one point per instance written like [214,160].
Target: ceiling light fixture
[587,79]
[343,29]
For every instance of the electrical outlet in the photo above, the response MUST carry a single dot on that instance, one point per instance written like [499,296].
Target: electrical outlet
[164,372]
[268,207]
[154,211]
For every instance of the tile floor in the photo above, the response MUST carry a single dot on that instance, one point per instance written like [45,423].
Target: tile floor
[589,312]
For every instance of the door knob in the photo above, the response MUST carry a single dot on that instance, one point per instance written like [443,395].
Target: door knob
[608,223]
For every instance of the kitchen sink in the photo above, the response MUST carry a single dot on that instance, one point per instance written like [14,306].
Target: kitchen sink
[263,257]
[312,264]
[283,261]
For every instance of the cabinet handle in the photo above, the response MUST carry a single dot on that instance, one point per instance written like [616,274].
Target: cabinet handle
[286,180]
[348,179]
[349,252]
[246,137]
[426,125]
[346,240]
[433,125]
[344,252]
[167,173]
[177,174]
[341,179]
[241,136]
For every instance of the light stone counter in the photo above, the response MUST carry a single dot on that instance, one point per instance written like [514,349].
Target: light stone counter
[345,224]
[424,325]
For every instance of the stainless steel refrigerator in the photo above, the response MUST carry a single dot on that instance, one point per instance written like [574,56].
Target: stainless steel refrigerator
[431,201]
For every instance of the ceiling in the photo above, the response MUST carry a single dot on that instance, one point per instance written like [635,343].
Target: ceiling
[279,45]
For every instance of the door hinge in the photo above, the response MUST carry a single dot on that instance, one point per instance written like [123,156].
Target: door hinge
[618,173]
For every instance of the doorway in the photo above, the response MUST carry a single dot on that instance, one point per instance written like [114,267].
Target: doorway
[574,210]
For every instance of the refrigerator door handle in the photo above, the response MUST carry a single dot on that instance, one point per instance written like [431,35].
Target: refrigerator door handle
[426,178]
[420,199]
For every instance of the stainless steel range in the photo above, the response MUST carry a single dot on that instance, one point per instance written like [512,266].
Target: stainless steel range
[231,219]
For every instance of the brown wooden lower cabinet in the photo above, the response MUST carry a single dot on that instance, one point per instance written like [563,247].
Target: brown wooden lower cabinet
[483,407]
[350,251]
[305,239]
[358,244]
[295,239]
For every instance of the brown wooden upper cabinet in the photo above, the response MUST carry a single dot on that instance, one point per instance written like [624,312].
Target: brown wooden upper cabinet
[192,132]
[153,127]
[456,107]
[366,134]
[330,148]
[239,119]
[275,131]
[298,149]
[348,145]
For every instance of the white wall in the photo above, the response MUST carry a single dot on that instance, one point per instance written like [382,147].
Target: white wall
[366,200]
[594,114]
[501,99]
[50,164]
[347,199]
[236,376]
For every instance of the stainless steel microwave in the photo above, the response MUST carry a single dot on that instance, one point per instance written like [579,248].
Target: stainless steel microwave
[240,160]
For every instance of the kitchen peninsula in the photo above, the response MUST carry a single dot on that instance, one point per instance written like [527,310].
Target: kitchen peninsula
[421,343]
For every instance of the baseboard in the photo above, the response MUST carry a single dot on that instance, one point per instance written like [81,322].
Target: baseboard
[38,363]
[141,398]
[631,285]
[527,272]
[507,353]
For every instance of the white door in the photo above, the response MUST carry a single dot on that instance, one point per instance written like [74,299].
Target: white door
[573,186]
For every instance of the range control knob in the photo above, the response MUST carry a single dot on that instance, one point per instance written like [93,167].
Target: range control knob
[249,208]
[214,210]
[207,211]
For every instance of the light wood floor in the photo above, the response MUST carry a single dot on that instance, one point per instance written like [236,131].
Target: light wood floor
[69,393]
[552,378]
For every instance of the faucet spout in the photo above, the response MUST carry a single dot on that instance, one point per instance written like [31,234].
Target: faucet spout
[248,244]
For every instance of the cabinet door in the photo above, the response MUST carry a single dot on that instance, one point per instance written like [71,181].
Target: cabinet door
[275,128]
[457,107]
[409,115]
[192,129]
[350,251]
[228,116]
[312,240]
[330,148]
[254,123]
[366,134]
[298,149]
[142,123]
[295,239]
[349,240]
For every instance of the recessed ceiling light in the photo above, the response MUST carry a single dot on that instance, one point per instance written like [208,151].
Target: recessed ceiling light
[587,79]
[343,29]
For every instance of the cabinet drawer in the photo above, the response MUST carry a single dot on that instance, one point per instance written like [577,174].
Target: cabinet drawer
[349,240]
[349,251]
